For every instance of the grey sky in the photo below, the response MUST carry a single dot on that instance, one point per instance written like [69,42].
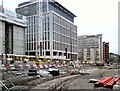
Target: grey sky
[93,17]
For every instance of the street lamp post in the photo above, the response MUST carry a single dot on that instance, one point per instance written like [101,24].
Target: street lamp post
[40,48]
[6,58]
[66,52]
[2,57]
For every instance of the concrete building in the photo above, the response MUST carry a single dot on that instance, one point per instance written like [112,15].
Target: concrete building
[115,58]
[90,48]
[105,51]
[12,32]
[50,29]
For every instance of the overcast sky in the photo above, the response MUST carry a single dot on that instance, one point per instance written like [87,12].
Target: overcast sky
[93,17]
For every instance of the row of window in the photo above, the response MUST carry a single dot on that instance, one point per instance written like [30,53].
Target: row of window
[45,18]
[64,30]
[46,26]
[31,46]
[35,46]
[32,20]
[34,37]
[46,45]
[31,29]
[45,36]
[62,38]
[56,46]
[62,22]
[61,47]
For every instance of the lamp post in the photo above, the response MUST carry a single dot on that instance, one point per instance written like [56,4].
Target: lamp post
[66,52]
[6,58]
[40,48]
[2,57]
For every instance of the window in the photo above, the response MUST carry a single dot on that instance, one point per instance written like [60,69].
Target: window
[47,53]
[53,36]
[34,22]
[53,26]
[45,45]
[27,46]
[27,30]
[27,38]
[31,28]
[34,46]
[48,19]
[53,45]
[34,37]
[45,36]
[53,17]
[35,29]
[42,35]
[48,26]
[45,26]
[43,19]
[48,35]
[31,20]
[48,45]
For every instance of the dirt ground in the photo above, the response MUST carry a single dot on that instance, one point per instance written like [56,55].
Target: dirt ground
[82,82]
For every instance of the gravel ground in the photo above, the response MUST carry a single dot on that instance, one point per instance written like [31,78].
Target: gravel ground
[53,83]
[82,82]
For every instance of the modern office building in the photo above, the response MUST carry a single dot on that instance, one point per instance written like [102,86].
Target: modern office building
[12,32]
[105,51]
[51,32]
[90,48]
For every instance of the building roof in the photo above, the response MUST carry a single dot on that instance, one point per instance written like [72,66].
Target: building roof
[62,7]
[52,1]
[12,17]
[85,36]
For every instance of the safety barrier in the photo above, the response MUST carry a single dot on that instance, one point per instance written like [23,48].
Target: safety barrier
[7,66]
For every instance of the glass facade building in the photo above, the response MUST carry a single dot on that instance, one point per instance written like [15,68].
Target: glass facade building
[50,29]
